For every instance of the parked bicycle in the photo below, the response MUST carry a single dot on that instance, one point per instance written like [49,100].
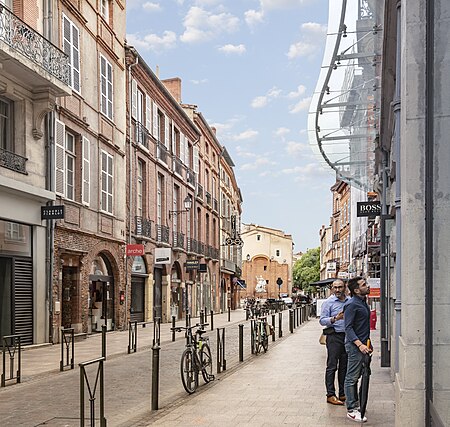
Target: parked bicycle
[260,335]
[196,357]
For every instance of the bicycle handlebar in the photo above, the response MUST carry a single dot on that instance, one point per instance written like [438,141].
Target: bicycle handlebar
[186,328]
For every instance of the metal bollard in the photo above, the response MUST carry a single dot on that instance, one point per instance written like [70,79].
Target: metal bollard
[273,326]
[202,320]
[229,313]
[291,321]
[252,337]
[212,320]
[104,341]
[241,343]
[67,344]
[173,328]
[155,363]
[280,324]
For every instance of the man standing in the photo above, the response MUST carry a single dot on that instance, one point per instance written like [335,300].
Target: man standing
[357,333]
[332,316]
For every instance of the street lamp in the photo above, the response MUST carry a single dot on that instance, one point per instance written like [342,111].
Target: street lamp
[187,206]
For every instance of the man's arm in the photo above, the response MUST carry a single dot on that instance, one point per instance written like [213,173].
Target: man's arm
[349,318]
[325,315]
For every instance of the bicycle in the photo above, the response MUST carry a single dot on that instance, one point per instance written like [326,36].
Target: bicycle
[260,335]
[196,357]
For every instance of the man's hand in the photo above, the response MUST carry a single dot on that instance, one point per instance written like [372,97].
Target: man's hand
[339,316]
[364,349]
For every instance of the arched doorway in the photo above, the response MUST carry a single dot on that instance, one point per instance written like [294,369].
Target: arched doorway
[176,292]
[138,278]
[101,295]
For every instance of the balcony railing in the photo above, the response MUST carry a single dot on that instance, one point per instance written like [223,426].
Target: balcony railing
[178,240]
[192,245]
[162,233]
[141,134]
[208,198]
[190,177]
[143,227]
[177,166]
[162,153]
[200,191]
[335,237]
[22,38]
[13,161]
[216,205]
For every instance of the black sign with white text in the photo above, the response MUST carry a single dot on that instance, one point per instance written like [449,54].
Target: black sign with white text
[52,212]
[368,209]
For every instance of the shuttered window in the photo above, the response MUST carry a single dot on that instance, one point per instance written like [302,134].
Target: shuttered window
[71,47]
[133,99]
[107,182]
[155,130]
[106,87]
[86,185]
[23,299]
[196,160]
[182,148]
[60,132]
[166,132]
[148,113]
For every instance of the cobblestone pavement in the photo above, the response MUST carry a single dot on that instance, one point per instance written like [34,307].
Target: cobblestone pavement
[49,397]
[285,386]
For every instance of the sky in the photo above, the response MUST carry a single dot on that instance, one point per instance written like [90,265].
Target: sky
[251,67]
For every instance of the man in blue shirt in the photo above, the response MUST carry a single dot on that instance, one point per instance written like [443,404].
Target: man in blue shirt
[332,316]
[357,333]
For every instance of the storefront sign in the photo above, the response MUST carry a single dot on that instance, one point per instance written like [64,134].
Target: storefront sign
[191,264]
[163,256]
[374,283]
[331,267]
[368,209]
[52,212]
[135,250]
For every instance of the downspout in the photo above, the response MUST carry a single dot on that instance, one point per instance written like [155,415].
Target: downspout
[130,185]
[398,217]
[429,176]
[50,227]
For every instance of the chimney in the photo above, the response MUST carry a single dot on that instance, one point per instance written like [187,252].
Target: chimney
[214,130]
[174,87]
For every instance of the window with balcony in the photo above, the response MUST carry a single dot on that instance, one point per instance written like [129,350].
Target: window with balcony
[71,47]
[104,9]
[140,189]
[107,182]
[159,198]
[70,166]
[6,125]
[106,87]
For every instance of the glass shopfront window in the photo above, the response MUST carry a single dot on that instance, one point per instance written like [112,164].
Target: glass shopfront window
[15,239]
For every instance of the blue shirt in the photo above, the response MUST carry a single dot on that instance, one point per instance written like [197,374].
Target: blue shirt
[331,307]
[357,320]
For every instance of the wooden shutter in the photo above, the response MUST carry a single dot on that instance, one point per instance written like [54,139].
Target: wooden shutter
[71,47]
[182,149]
[186,152]
[133,99]
[86,171]
[60,133]
[23,299]
[148,113]
[166,131]
[195,159]
[174,140]
[155,121]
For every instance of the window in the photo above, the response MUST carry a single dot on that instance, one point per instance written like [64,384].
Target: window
[86,185]
[278,252]
[140,188]
[71,47]
[104,4]
[6,125]
[107,183]
[70,166]
[176,198]
[258,237]
[106,88]
[159,198]
[265,268]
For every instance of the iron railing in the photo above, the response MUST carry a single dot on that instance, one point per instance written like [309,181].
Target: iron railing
[13,161]
[141,135]
[162,233]
[199,191]
[190,177]
[177,166]
[12,346]
[23,39]
[208,198]
[178,239]
[162,153]
[192,245]
[67,349]
[143,227]
[215,205]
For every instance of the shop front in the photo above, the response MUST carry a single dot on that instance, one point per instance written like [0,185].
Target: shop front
[138,294]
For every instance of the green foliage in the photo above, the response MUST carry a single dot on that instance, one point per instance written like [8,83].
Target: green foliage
[307,270]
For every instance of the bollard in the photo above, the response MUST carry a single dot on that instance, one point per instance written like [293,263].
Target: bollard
[247,313]
[173,328]
[67,343]
[241,342]
[12,346]
[229,313]
[291,321]
[155,363]
[273,326]
[298,316]
[104,341]
[221,362]
[280,324]
[252,337]
[212,320]
[202,320]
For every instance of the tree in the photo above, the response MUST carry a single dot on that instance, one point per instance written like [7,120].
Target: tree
[307,270]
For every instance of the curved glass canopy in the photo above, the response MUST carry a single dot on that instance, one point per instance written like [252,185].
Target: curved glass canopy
[344,114]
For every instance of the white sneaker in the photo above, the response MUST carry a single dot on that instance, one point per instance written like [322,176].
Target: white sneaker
[355,415]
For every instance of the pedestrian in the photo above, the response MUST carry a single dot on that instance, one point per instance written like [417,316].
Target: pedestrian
[357,334]
[331,316]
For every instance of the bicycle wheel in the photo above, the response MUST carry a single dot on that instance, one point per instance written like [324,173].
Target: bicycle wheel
[265,342]
[189,373]
[207,363]
[255,339]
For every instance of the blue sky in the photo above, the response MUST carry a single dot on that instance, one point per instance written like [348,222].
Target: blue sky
[251,67]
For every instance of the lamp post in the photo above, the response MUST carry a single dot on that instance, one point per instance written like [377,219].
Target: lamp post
[187,206]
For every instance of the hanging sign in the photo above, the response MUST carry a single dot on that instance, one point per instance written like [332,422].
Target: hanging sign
[135,250]
[52,212]
[368,209]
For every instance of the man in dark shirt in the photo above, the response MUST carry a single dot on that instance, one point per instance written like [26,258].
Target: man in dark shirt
[357,333]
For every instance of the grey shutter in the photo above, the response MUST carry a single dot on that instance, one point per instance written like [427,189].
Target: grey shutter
[23,299]
[60,133]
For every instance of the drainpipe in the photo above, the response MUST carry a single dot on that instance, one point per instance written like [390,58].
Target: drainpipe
[130,183]
[398,218]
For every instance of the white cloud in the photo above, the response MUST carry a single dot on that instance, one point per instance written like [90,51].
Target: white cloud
[201,25]
[295,148]
[199,82]
[231,48]
[242,152]
[153,42]
[301,105]
[281,4]
[254,17]
[281,131]
[263,100]
[206,2]
[247,134]
[312,38]
[308,172]
[256,164]
[299,92]
[151,7]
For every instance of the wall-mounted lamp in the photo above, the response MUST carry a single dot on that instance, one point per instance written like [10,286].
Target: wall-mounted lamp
[248,257]
[187,206]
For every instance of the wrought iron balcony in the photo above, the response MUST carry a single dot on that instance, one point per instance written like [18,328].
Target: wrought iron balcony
[200,191]
[23,39]
[216,205]
[143,227]
[162,153]
[178,240]
[13,161]
[192,245]
[141,134]
[162,233]
[190,177]
[208,198]
[177,166]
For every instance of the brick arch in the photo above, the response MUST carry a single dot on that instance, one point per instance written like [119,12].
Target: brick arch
[113,254]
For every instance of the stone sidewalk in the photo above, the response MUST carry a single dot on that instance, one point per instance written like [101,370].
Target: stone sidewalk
[285,386]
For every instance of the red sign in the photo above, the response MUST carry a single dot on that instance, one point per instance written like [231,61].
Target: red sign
[135,250]
[374,293]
